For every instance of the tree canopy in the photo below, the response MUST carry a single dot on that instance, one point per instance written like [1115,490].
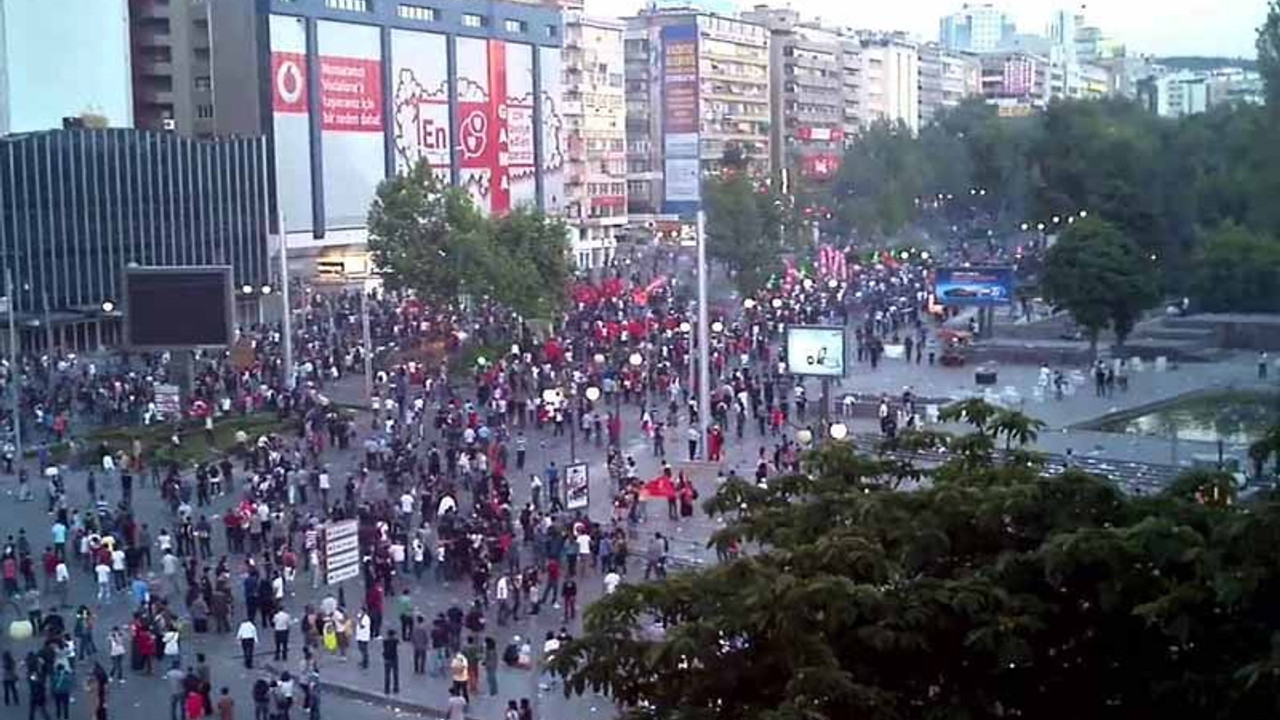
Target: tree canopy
[1101,277]
[990,592]
[1237,271]
[431,238]
[743,224]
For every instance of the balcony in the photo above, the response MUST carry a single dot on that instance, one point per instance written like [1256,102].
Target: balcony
[150,9]
[153,38]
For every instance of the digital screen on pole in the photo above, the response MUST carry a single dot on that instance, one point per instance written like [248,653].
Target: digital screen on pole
[814,350]
[974,286]
[178,307]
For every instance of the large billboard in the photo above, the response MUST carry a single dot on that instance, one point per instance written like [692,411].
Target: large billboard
[515,134]
[420,92]
[554,142]
[476,119]
[173,308]
[815,350]
[291,123]
[680,119]
[351,122]
[974,286]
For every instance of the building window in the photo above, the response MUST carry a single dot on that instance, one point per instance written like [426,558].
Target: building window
[203,82]
[552,31]
[514,26]
[417,12]
[204,112]
[473,20]
[348,5]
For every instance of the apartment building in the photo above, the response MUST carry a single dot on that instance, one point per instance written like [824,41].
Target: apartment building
[806,98]
[1016,81]
[172,72]
[890,80]
[946,79]
[595,119]
[697,83]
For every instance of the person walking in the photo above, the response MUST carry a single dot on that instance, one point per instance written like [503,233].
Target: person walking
[226,705]
[9,676]
[364,633]
[491,665]
[457,706]
[248,637]
[390,663]
[60,686]
[459,668]
[119,646]
[280,625]
[36,691]
[420,639]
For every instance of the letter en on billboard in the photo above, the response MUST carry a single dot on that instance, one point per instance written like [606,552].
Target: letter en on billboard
[420,98]
[815,350]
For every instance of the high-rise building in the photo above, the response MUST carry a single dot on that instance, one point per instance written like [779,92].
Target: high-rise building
[806,92]
[976,28]
[890,80]
[66,59]
[354,91]
[851,82]
[595,119]
[697,84]
[172,71]
[946,79]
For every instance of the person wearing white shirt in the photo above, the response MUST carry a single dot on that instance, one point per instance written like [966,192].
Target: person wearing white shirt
[117,567]
[364,633]
[611,581]
[280,626]
[447,504]
[61,581]
[502,591]
[103,572]
[584,551]
[549,649]
[247,634]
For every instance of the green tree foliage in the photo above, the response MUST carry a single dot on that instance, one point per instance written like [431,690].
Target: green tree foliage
[1101,277]
[989,593]
[1237,271]
[743,228]
[430,238]
[1269,54]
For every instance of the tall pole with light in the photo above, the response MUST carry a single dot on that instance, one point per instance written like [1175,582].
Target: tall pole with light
[286,309]
[704,346]
[15,383]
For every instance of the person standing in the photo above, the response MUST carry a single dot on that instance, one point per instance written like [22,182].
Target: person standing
[248,637]
[569,596]
[491,665]
[9,676]
[457,706]
[35,689]
[364,633]
[226,706]
[280,625]
[421,642]
[458,671]
[390,663]
[60,686]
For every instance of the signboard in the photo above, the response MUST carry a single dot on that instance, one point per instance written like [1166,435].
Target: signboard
[181,307]
[168,400]
[819,134]
[577,486]
[554,142]
[974,286]
[290,119]
[822,165]
[420,92]
[351,120]
[341,551]
[680,119]
[815,350]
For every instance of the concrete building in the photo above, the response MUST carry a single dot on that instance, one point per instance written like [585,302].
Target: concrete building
[851,83]
[946,79]
[595,117]
[807,102]
[890,80]
[61,60]
[172,70]
[351,92]
[1096,81]
[976,28]
[1176,94]
[1017,82]
[696,84]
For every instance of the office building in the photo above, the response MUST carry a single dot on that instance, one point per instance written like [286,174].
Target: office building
[1176,94]
[697,84]
[946,79]
[595,121]
[806,94]
[172,74]
[889,80]
[61,60]
[353,91]
[976,28]
[77,206]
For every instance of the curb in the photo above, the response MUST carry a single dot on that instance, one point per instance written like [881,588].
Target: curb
[388,701]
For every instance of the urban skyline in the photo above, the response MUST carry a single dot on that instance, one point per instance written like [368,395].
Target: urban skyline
[1225,28]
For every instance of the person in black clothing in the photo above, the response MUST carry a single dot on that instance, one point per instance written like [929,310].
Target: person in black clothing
[390,663]
[9,668]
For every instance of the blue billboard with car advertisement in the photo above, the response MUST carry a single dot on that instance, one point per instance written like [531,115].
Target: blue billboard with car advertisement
[973,286]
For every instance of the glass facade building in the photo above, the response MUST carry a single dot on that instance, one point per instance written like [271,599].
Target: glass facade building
[77,206]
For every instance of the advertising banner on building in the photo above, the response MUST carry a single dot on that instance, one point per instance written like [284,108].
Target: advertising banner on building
[680,119]
[351,120]
[820,166]
[980,286]
[553,135]
[290,122]
[477,119]
[420,98]
[515,138]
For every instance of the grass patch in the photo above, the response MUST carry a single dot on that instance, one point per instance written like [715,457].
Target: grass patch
[157,445]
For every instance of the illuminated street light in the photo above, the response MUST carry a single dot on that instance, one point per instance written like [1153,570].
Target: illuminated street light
[1057,219]
[108,306]
[246,289]
[685,327]
[749,303]
[717,327]
[1084,213]
[636,359]
[804,436]
[777,303]
[593,393]
[839,431]
[266,290]
[1026,227]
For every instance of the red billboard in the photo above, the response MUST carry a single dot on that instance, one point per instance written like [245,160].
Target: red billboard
[680,80]
[288,82]
[822,165]
[350,94]
[809,133]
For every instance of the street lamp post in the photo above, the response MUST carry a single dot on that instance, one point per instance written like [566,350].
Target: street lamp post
[108,307]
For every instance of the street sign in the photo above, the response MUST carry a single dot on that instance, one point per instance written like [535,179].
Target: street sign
[577,486]
[341,551]
[168,400]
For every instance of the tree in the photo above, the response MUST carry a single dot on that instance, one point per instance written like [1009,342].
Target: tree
[1101,277]
[1269,54]
[742,229]
[989,593]
[430,238]
[1237,271]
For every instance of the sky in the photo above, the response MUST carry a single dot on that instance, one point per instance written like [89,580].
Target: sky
[1157,27]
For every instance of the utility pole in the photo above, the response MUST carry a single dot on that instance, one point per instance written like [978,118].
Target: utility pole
[368,345]
[286,308]
[704,338]
[15,383]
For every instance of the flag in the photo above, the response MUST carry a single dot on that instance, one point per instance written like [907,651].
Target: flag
[659,487]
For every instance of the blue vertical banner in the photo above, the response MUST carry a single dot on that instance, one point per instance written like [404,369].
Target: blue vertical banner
[681,115]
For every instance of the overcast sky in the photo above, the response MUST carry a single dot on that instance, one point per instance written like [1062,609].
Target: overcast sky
[1161,27]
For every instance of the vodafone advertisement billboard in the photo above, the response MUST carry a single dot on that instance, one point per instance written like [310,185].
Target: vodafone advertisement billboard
[290,121]
[351,120]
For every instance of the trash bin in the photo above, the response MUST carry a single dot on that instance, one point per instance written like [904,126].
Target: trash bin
[986,375]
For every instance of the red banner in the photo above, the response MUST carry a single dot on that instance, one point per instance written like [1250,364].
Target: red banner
[350,94]
[818,134]
[616,201]
[820,166]
[289,82]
